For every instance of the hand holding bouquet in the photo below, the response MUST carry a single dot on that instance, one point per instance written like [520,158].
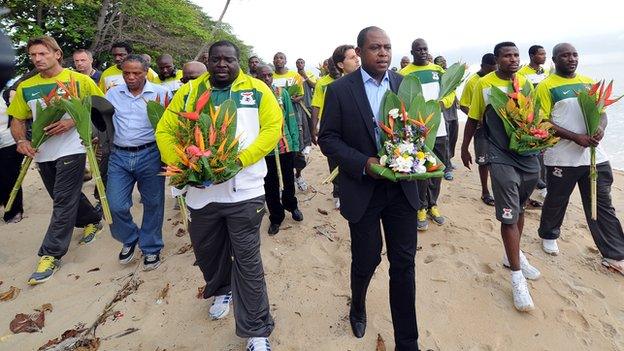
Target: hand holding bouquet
[206,144]
[522,118]
[407,135]
[593,102]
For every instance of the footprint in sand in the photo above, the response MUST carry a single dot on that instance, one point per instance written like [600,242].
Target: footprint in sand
[430,258]
[486,268]
[444,249]
[575,319]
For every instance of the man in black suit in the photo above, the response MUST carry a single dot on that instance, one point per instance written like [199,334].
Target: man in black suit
[349,135]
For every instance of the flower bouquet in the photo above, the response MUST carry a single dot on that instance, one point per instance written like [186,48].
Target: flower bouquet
[522,118]
[207,146]
[593,102]
[408,126]
[44,117]
[79,109]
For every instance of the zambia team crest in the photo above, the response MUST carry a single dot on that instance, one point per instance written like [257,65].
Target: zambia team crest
[435,76]
[247,98]
[507,213]
[558,172]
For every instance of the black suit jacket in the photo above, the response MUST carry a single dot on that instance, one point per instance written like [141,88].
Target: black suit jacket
[347,136]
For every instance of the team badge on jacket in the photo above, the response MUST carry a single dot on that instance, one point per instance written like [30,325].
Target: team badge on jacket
[247,98]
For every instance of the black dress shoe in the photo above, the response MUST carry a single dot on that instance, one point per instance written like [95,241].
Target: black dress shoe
[297,215]
[358,325]
[273,229]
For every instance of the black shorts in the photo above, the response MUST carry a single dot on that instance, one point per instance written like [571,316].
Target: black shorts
[511,188]
[481,147]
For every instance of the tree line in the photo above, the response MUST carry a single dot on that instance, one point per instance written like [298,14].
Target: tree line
[177,27]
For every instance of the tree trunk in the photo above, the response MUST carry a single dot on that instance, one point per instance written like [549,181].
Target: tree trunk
[214,30]
[100,25]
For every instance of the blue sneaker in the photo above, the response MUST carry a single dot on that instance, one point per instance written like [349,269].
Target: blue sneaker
[45,269]
[448,175]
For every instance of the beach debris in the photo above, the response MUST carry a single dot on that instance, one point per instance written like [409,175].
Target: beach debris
[122,333]
[163,295]
[322,211]
[184,249]
[68,335]
[96,269]
[10,294]
[200,292]
[180,232]
[117,315]
[381,345]
[46,307]
[324,231]
[27,323]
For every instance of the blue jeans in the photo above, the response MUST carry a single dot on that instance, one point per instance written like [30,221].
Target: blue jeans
[125,168]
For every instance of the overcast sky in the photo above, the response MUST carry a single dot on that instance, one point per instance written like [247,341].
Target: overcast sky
[457,29]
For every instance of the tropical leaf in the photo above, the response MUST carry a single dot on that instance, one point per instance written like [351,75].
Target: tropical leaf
[451,79]
[154,112]
[409,88]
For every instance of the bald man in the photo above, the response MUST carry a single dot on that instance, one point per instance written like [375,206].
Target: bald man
[168,75]
[191,70]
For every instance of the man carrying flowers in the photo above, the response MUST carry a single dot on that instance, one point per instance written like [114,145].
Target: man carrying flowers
[280,162]
[513,175]
[61,158]
[226,217]
[568,162]
[134,160]
[430,76]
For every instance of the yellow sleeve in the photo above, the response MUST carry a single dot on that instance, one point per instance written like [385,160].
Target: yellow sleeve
[18,108]
[151,75]
[477,106]
[92,89]
[448,100]
[466,97]
[166,128]
[318,96]
[271,119]
[542,92]
[101,83]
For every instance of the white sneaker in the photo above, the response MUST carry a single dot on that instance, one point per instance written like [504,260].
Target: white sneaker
[521,296]
[550,246]
[528,271]
[220,306]
[337,203]
[258,344]
[301,184]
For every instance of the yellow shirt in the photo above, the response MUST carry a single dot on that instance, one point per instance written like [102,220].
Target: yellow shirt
[532,75]
[466,97]
[113,76]
[559,103]
[24,106]
[318,98]
[481,93]
[289,79]
[172,83]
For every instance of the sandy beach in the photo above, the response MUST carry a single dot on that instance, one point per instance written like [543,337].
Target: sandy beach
[464,297]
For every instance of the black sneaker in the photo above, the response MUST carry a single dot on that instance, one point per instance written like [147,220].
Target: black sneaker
[273,228]
[151,261]
[126,254]
[297,215]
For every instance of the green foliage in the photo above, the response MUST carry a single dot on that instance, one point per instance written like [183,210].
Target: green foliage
[409,89]
[451,79]
[154,27]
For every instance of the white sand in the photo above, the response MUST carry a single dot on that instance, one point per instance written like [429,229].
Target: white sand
[463,292]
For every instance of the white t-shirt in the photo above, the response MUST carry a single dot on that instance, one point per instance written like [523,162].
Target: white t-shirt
[6,139]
